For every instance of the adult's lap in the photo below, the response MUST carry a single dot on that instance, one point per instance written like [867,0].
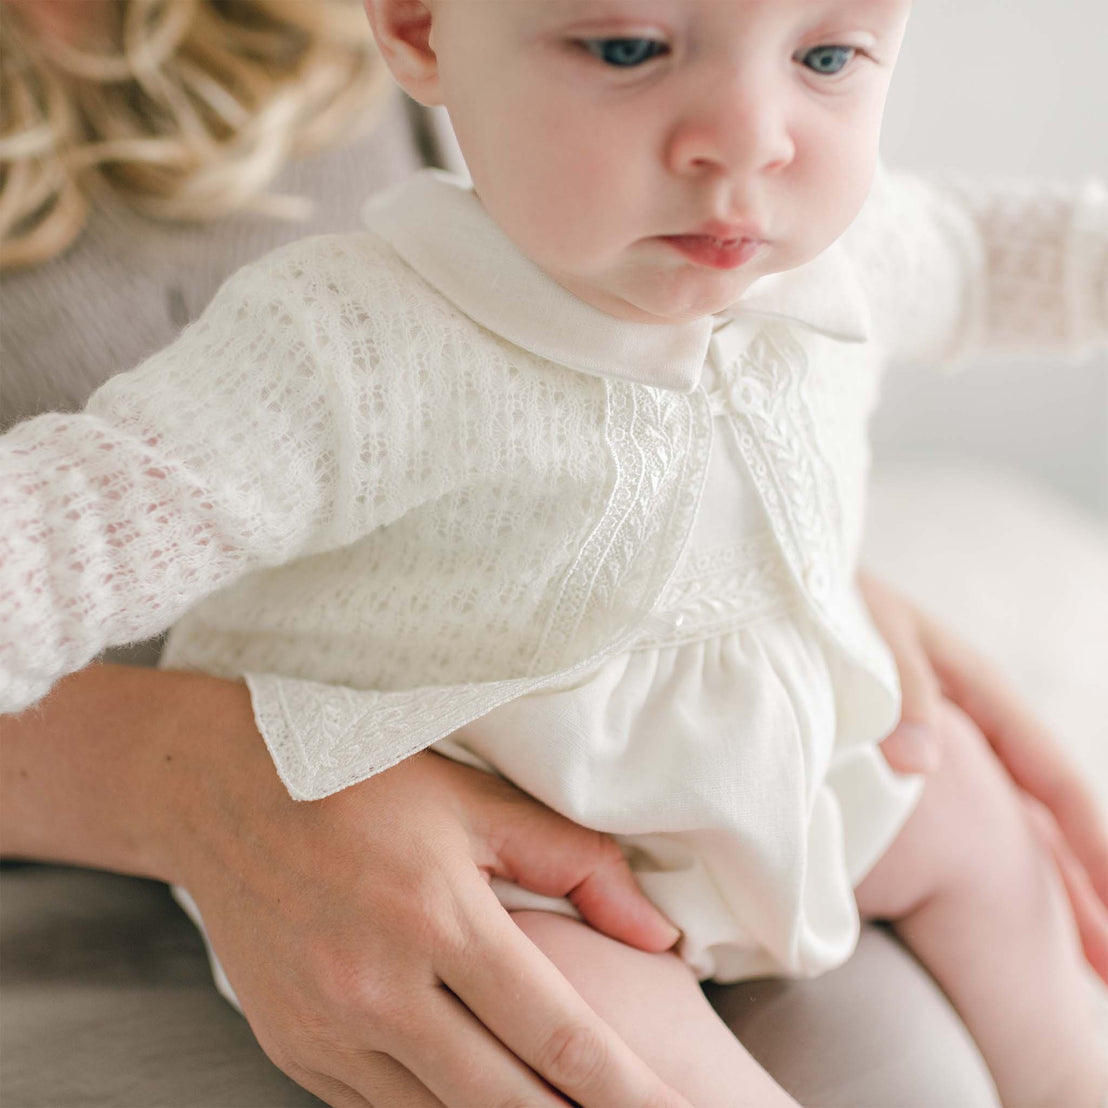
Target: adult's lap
[108,999]
[875,1033]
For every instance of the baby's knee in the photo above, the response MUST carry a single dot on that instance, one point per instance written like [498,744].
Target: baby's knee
[585,955]
[655,1004]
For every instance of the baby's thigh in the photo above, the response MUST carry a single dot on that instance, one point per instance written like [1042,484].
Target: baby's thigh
[969,829]
[655,1004]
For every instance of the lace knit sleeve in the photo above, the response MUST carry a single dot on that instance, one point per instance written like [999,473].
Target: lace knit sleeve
[213,457]
[960,269]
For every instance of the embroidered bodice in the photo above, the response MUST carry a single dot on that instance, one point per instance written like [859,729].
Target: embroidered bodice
[421,479]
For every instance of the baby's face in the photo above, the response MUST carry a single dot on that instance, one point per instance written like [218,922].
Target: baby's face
[655,157]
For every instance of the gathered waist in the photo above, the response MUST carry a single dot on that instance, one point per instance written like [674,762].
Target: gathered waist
[720,589]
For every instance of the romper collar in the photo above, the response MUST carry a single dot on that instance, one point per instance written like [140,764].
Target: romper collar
[435,222]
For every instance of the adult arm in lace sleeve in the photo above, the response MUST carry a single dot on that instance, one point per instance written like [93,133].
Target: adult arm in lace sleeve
[215,456]
[959,269]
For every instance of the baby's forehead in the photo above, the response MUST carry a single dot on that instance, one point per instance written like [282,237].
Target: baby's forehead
[882,14]
[602,8]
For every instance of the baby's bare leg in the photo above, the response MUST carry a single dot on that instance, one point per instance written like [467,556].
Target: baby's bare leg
[655,1003]
[972,892]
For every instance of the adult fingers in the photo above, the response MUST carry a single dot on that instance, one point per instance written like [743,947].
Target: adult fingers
[329,1089]
[920,690]
[913,746]
[541,1018]
[453,1059]
[381,1083]
[516,838]
[1089,912]
[415,1046]
[1031,755]
[555,857]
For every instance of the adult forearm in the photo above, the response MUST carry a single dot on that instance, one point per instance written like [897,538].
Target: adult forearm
[92,775]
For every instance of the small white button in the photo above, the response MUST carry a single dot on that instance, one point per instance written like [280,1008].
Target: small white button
[747,396]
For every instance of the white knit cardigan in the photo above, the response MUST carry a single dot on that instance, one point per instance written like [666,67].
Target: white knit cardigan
[421,479]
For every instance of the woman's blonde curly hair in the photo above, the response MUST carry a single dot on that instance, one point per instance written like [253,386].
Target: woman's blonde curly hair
[186,108]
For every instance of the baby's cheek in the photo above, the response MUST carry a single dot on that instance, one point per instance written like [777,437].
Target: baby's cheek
[835,182]
[582,205]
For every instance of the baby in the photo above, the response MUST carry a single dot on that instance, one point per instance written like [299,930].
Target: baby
[564,474]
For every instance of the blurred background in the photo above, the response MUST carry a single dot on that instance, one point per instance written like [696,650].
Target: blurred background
[1008,87]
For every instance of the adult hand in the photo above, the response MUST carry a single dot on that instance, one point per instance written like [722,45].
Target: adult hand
[369,954]
[934,665]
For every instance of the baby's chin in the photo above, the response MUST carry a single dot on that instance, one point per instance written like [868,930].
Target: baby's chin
[685,301]
[676,296]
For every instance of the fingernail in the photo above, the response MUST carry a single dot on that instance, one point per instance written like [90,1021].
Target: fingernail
[919,747]
[671,933]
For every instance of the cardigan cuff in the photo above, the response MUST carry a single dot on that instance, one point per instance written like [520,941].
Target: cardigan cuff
[1089,239]
[324,738]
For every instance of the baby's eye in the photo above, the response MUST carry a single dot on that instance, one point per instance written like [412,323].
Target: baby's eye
[828,60]
[624,52]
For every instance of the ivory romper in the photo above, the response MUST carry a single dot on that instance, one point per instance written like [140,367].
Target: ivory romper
[713,757]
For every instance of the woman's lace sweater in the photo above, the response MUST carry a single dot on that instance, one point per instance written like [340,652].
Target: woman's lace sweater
[399,477]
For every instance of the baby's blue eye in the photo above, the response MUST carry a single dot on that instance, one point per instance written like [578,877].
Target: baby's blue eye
[624,52]
[828,60]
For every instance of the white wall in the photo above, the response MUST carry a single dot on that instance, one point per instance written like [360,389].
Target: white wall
[1004,87]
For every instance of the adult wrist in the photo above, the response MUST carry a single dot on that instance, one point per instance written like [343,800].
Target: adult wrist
[205,772]
[119,767]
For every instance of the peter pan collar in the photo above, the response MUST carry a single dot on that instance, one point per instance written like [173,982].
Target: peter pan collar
[435,222]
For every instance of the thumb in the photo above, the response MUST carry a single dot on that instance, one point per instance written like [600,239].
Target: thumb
[913,745]
[542,851]
[912,748]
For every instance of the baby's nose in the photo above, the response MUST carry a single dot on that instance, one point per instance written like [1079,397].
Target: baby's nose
[740,126]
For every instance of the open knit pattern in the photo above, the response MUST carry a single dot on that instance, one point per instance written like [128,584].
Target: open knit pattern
[391,498]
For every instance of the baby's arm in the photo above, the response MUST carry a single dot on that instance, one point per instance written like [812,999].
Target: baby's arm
[214,457]
[959,269]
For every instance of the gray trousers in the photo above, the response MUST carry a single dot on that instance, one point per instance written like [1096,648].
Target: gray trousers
[107,999]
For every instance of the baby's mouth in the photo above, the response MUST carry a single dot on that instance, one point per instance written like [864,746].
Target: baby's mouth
[715,252]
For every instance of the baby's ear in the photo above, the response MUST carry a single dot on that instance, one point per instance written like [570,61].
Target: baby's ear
[402,29]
